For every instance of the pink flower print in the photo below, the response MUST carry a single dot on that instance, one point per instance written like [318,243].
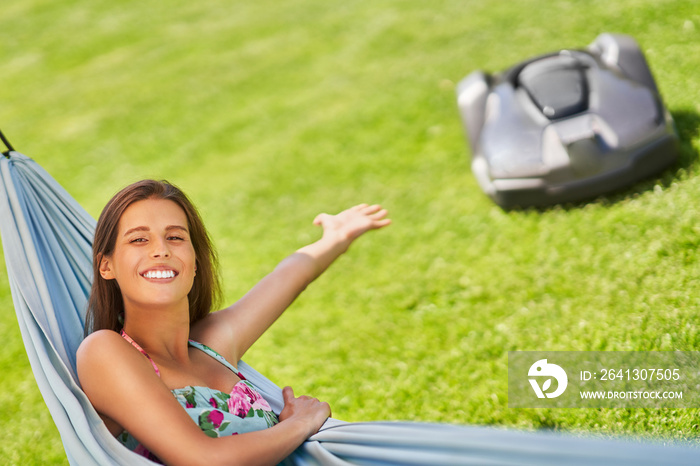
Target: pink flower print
[189,405]
[212,402]
[143,451]
[216,417]
[249,392]
[239,406]
[238,403]
[260,403]
[243,398]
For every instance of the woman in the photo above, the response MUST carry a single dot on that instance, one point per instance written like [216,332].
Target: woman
[157,360]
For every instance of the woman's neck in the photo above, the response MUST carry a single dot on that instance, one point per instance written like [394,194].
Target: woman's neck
[162,332]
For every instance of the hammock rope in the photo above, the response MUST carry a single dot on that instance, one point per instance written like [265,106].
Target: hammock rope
[7,144]
[47,237]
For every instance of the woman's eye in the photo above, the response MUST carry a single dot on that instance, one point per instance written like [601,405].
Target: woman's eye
[138,240]
[176,238]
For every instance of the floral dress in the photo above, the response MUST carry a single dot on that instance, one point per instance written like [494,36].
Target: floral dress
[218,414]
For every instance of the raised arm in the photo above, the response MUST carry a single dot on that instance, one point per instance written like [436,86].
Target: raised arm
[237,327]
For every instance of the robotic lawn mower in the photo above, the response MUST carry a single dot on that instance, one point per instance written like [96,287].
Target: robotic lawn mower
[567,126]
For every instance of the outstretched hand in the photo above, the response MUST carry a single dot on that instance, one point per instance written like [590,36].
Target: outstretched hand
[353,222]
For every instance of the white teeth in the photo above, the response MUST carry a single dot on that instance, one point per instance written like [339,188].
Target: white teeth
[159,274]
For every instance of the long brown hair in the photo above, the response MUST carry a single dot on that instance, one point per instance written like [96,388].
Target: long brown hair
[106,306]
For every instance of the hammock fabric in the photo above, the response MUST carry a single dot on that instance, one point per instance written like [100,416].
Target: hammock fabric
[47,239]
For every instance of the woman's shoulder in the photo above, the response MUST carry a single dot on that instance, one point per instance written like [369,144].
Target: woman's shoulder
[104,349]
[100,341]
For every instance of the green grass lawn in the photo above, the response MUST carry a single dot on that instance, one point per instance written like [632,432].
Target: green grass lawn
[268,113]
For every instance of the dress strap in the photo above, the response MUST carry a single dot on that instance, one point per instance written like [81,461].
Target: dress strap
[136,345]
[216,356]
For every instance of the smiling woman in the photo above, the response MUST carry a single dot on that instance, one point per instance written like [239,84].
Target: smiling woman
[153,248]
[106,295]
[155,359]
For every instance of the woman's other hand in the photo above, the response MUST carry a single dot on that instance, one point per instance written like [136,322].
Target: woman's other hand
[304,409]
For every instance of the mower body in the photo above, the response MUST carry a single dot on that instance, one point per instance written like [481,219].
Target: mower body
[567,126]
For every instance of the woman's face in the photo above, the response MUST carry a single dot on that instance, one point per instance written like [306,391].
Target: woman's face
[153,260]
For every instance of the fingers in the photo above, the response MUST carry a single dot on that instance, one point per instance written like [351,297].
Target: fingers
[287,394]
[307,408]
[327,408]
[382,223]
[367,209]
[374,211]
[354,221]
[377,214]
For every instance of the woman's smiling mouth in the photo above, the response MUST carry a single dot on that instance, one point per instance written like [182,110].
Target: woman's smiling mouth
[159,274]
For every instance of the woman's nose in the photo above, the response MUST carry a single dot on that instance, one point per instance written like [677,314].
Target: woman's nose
[160,249]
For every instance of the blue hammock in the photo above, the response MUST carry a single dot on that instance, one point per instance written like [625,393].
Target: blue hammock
[47,240]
